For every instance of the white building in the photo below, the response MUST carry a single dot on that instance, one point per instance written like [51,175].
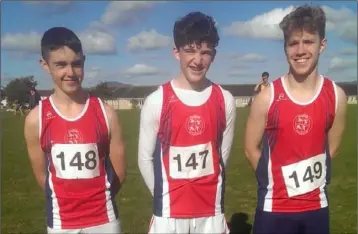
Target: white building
[128,97]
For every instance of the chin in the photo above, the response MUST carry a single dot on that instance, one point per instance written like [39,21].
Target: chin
[71,90]
[302,71]
[196,78]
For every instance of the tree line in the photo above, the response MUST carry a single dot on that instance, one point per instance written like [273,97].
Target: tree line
[18,90]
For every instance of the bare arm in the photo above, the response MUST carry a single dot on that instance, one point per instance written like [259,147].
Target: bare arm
[337,129]
[257,87]
[255,126]
[116,147]
[35,152]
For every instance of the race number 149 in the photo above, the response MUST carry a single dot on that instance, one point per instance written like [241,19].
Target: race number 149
[305,176]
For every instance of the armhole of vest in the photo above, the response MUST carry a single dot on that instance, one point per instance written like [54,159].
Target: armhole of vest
[272,95]
[222,95]
[164,100]
[335,96]
[104,115]
[40,120]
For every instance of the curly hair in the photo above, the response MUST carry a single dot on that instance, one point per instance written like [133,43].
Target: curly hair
[195,27]
[309,18]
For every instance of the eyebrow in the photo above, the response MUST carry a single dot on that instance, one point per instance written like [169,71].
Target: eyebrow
[64,62]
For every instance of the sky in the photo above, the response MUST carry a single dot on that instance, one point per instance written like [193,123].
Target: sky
[131,41]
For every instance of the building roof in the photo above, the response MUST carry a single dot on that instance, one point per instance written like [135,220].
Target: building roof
[236,90]
[45,93]
[350,88]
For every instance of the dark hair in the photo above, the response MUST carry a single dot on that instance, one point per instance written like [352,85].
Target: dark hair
[265,74]
[309,18]
[58,37]
[195,27]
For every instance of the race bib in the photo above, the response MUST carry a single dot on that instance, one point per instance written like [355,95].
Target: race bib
[191,162]
[305,176]
[75,161]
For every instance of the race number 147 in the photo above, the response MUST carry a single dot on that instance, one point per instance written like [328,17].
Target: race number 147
[191,162]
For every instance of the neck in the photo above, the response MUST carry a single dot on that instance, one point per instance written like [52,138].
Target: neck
[303,82]
[79,97]
[183,83]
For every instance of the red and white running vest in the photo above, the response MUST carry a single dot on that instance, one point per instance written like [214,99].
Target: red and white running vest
[79,173]
[295,164]
[189,172]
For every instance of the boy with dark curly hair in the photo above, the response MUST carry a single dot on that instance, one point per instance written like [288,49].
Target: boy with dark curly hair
[186,131]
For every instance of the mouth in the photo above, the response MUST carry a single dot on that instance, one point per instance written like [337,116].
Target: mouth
[196,69]
[70,82]
[301,61]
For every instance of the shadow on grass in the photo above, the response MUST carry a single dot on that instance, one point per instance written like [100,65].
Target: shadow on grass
[238,224]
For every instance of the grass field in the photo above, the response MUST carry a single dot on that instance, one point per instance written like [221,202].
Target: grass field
[23,204]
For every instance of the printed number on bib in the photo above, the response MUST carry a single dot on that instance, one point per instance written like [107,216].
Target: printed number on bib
[75,161]
[305,176]
[191,162]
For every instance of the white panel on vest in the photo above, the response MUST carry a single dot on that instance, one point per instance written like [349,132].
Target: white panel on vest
[191,162]
[305,176]
[75,161]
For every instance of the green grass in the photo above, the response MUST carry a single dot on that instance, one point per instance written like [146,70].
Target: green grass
[23,204]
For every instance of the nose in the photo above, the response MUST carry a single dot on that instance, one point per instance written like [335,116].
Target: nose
[197,59]
[70,72]
[300,49]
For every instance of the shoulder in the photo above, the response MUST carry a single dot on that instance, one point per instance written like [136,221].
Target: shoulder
[226,93]
[32,121]
[155,98]
[263,99]
[110,111]
[338,91]
[228,97]
[340,96]
[266,94]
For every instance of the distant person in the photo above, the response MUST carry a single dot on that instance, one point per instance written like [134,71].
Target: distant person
[263,83]
[75,145]
[18,108]
[34,98]
[186,132]
[300,120]
[260,86]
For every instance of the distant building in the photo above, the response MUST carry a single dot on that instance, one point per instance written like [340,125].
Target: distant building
[126,96]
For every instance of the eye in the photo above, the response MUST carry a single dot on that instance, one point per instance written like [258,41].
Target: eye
[189,51]
[293,43]
[77,64]
[60,64]
[308,42]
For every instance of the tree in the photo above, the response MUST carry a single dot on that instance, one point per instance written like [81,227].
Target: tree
[19,89]
[135,103]
[2,93]
[102,91]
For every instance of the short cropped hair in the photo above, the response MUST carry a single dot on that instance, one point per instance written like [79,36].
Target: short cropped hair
[265,74]
[58,37]
[309,18]
[195,27]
